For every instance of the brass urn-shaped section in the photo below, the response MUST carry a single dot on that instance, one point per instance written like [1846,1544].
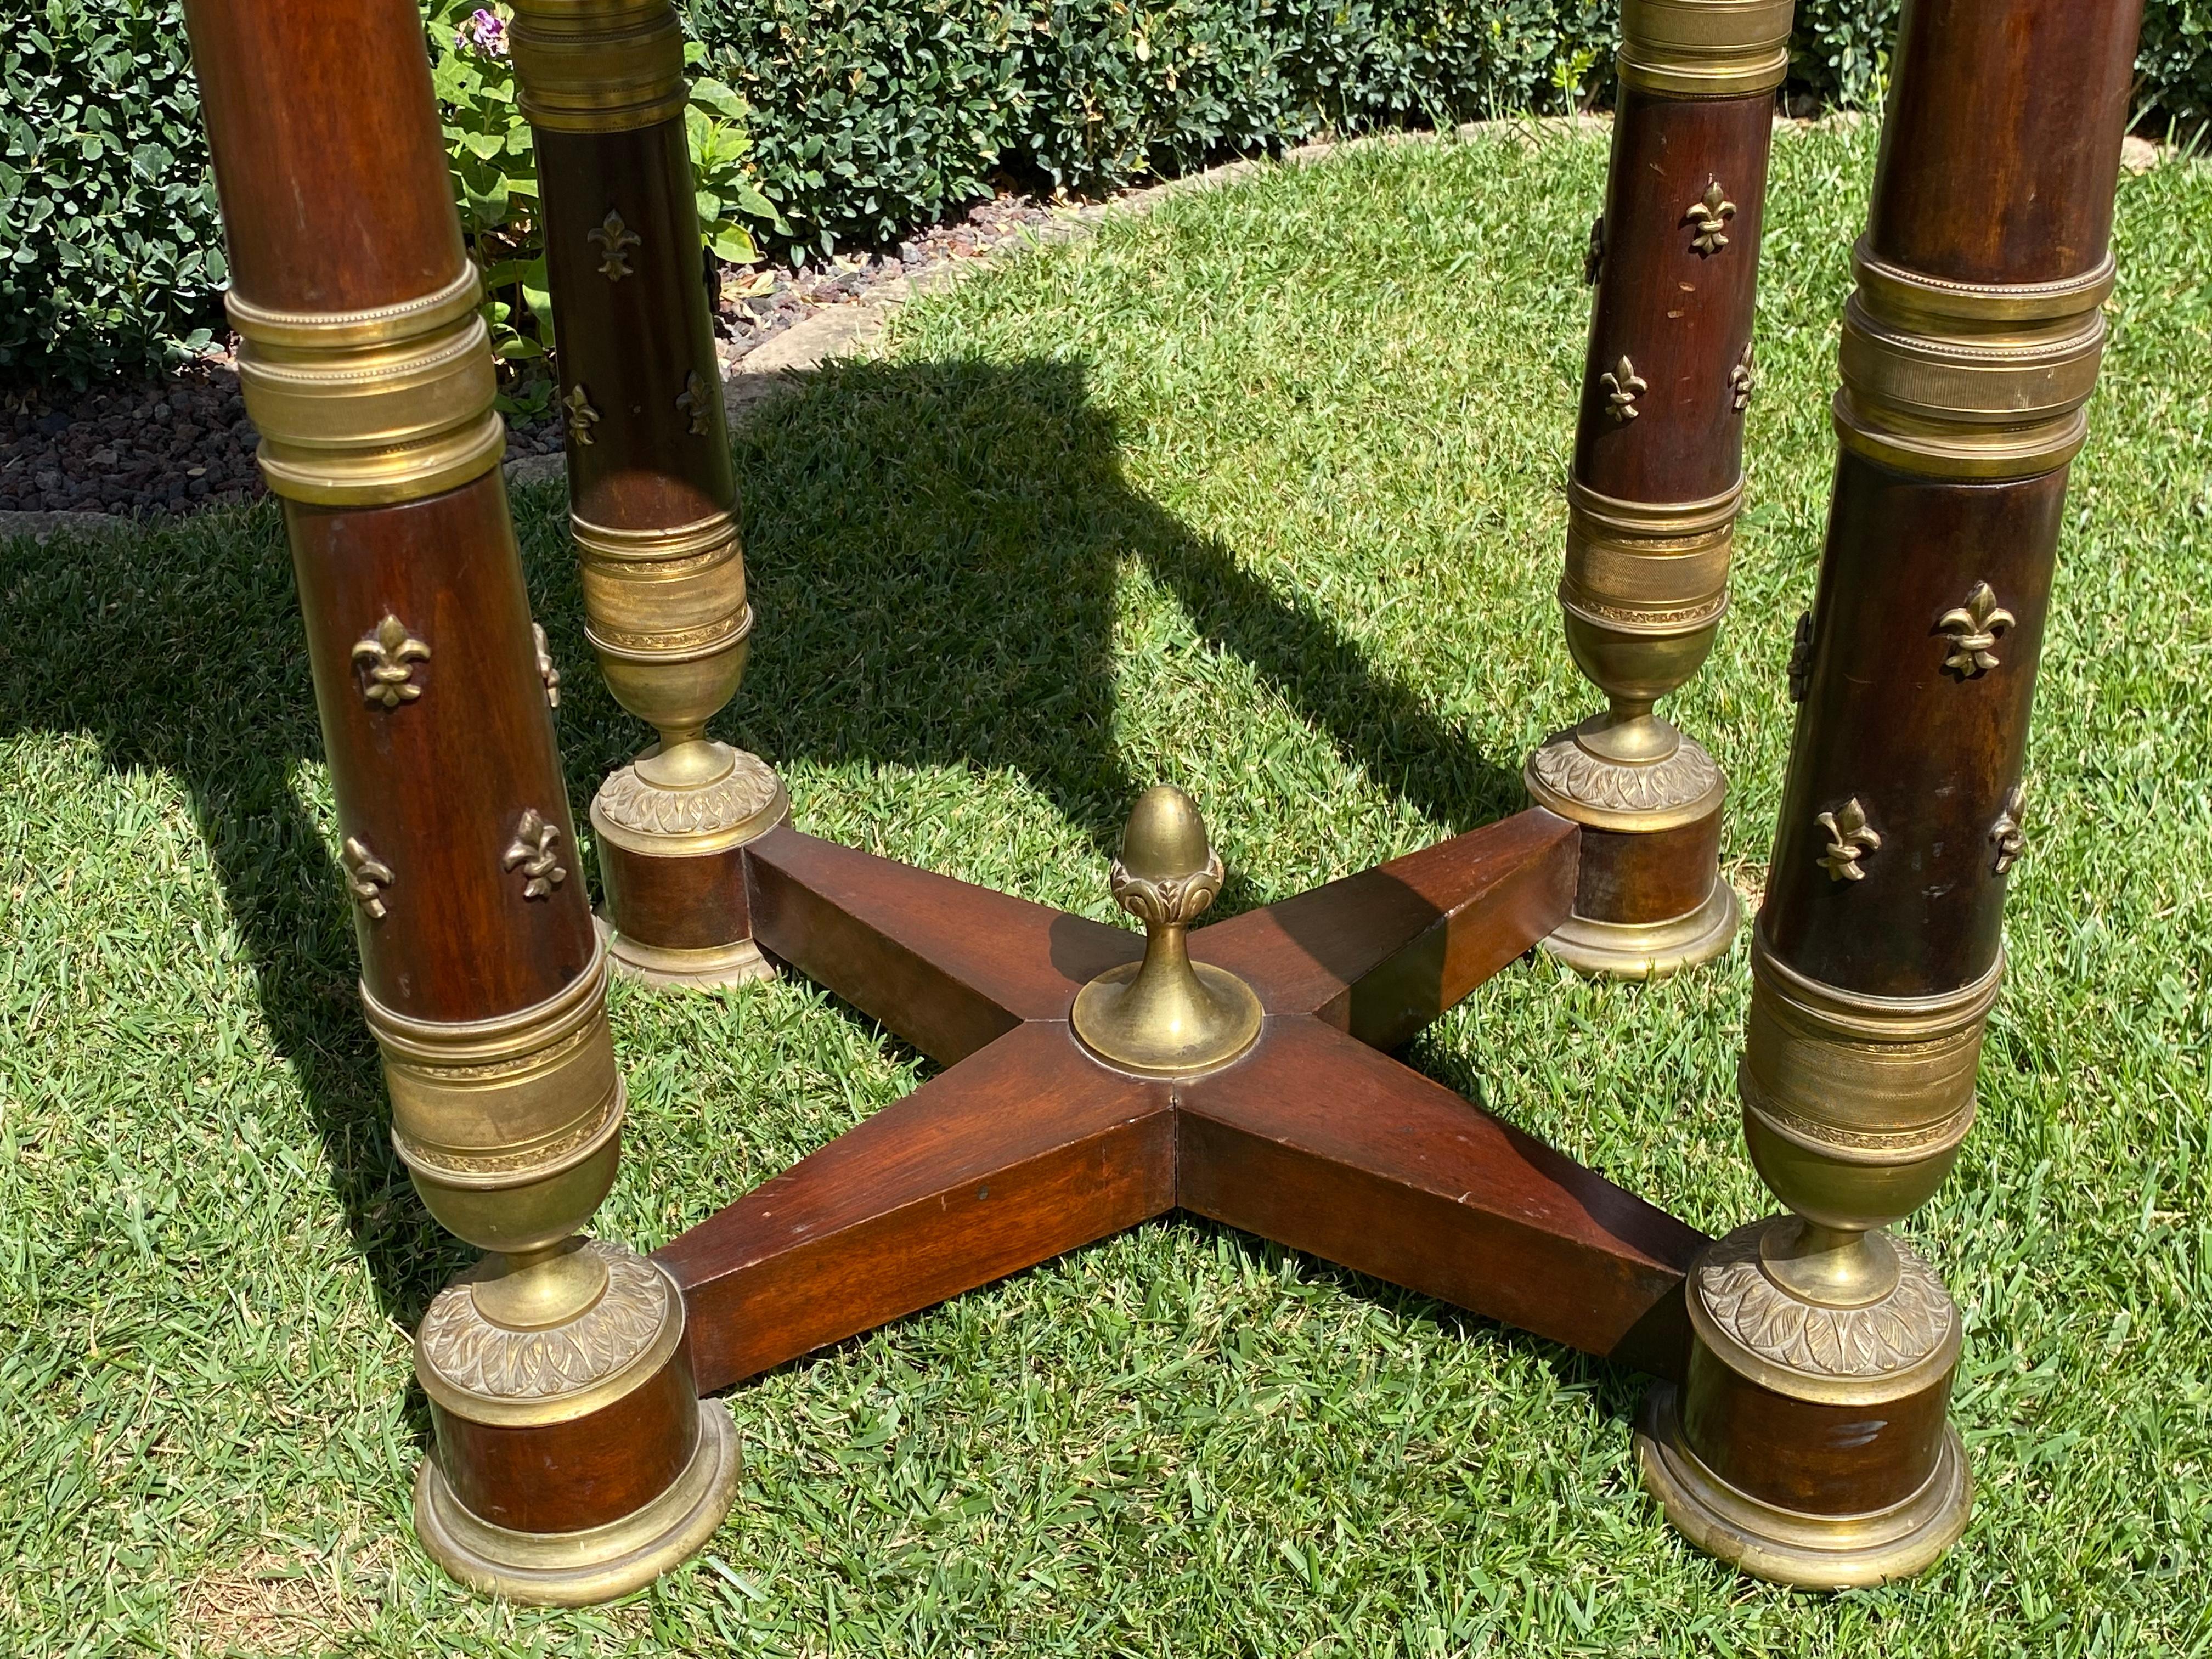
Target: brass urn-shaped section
[1166,1016]
[556,1356]
[1642,595]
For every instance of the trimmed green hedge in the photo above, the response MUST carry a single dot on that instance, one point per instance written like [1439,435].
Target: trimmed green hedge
[111,248]
[867,117]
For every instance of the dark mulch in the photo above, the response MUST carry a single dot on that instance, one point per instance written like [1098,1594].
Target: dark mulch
[182,441]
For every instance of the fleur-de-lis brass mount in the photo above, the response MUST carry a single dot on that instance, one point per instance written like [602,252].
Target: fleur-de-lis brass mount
[1594,255]
[1623,387]
[1973,628]
[1801,658]
[1850,839]
[546,670]
[532,848]
[2006,835]
[1710,213]
[367,876]
[581,415]
[615,240]
[1743,380]
[391,653]
[692,400]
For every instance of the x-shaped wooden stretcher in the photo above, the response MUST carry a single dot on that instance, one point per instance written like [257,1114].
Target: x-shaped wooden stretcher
[1027,1145]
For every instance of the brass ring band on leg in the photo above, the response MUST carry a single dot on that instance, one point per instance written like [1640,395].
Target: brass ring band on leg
[1704,48]
[371,407]
[511,1126]
[598,65]
[1645,567]
[1955,380]
[1862,1078]
[674,591]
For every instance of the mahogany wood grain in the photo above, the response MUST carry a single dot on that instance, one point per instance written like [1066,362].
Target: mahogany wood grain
[633,340]
[947,966]
[1649,875]
[610,1463]
[1382,953]
[1681,317]
[1806,1455]
[435,787]
[690,904]
[1019,1154]
[1928,753]
[2000,155]
[1029,1147]
[1323,1144]
[335,190]
[1984,175]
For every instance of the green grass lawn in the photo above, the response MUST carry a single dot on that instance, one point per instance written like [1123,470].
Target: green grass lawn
[1262,493]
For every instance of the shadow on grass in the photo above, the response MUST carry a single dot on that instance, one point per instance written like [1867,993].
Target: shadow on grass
[936,549]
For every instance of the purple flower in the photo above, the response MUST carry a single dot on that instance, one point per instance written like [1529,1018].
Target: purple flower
[484,32]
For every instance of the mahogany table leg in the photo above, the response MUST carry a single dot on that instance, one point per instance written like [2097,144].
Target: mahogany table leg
[574,1460]
[1658,474]
[653,497]
[1809,1443]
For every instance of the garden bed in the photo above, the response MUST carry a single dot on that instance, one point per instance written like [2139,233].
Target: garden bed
[180,441]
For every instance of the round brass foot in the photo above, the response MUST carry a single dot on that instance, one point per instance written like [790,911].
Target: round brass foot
[576,1569]
[671,857]
[1649,950]
[1791,1547]
[667,969]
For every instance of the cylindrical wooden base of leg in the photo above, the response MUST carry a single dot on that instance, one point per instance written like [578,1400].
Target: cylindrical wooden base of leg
[1649,900]
[1808,1444]
[575,1462]
[672,862]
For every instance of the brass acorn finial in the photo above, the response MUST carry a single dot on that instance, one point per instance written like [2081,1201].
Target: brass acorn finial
[1166,1016]
[1167,872]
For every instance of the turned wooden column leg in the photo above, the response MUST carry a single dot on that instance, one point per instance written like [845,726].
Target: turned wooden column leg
[1657,475]
[653,498]
[574,1458]
[1809,1442]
